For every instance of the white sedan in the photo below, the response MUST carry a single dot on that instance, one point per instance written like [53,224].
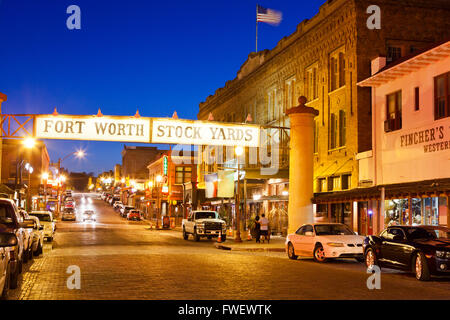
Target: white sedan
[323,241]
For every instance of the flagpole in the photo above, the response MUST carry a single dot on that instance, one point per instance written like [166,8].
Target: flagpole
[256,50]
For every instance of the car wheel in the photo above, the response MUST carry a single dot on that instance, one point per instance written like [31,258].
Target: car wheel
[38,250]
[224,238]
[196,236]
[319,254]
[14,279]
[25,256]
[185,235]
[20,266]
[420,266]
[370,258]
[291,252]
[7,283]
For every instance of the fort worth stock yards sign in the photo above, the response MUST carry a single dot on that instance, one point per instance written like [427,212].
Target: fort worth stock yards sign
[145,130]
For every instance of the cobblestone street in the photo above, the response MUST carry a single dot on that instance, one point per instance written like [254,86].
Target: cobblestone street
[125,260]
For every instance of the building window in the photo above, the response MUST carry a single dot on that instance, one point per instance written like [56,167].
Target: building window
[442,96]
[393,112]
[312,83]
[416,99]
[333,131]
[342,128]
[316,137]
[337,70]
[183,175]
[333,183]
[289,95]
[272,111]
[322,185]
[346,181]
[393,53]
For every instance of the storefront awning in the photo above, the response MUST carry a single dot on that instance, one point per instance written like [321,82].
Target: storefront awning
[420,189]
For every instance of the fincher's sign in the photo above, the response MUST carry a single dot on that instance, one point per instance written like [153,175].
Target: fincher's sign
[145,130]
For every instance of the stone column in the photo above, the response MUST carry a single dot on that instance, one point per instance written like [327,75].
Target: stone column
[301,166]
[3,98]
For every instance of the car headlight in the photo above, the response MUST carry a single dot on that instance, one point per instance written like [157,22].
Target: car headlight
[335,244]
[442,254]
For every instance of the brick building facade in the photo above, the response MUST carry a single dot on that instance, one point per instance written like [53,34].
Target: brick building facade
[323,60]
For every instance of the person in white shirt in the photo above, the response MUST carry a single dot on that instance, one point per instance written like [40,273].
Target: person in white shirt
[264,227]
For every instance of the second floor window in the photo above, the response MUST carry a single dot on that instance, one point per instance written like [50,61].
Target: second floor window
[289,95]
[442,96]
[183,174]
[393,53]
[312,83]
[272,108]
[337,70]
[393,112]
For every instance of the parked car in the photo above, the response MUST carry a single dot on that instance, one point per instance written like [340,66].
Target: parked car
[324,241]
[119,207]
[422,250]
[124,211]
[113,199]
[134,215]
[46,219]
[12,222]
[28,239]
[69,214]
[116,204]
[7,243]
[204,224]
[89,215]
[38,237]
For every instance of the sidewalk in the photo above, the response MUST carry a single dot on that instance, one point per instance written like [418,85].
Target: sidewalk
[276,245]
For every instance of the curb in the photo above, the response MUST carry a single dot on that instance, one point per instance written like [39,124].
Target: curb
[224,247]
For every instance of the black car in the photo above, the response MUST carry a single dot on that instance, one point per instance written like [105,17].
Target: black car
[423,250]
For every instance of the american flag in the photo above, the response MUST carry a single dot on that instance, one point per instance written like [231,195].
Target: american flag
[268,15]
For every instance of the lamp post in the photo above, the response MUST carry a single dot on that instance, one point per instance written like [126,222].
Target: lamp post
[238,151]
[28,143]
[158,185]
[45,178]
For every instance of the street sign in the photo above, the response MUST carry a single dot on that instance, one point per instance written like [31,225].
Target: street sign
[145,130]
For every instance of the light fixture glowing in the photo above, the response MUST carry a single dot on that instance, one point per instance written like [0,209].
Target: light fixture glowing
[45,176]
[159,178]
[239,151]
[29,143]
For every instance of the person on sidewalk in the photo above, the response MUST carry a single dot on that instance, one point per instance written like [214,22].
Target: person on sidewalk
[257,229]
[264,227]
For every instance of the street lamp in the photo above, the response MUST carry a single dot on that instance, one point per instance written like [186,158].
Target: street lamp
[28,143]
[159,179]
[45,178]
[238,151]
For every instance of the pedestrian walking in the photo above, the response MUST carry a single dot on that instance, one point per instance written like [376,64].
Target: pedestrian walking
[257,229]
[264,227]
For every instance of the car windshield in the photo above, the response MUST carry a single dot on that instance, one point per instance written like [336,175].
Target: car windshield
[333,229]
[5,216]
[429,232]
[42,216]
[205,215]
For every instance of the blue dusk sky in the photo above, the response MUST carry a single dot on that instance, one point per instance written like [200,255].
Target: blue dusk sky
[155,56]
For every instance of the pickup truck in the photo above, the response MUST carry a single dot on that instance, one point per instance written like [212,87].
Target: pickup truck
[203,224]
[11,221]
